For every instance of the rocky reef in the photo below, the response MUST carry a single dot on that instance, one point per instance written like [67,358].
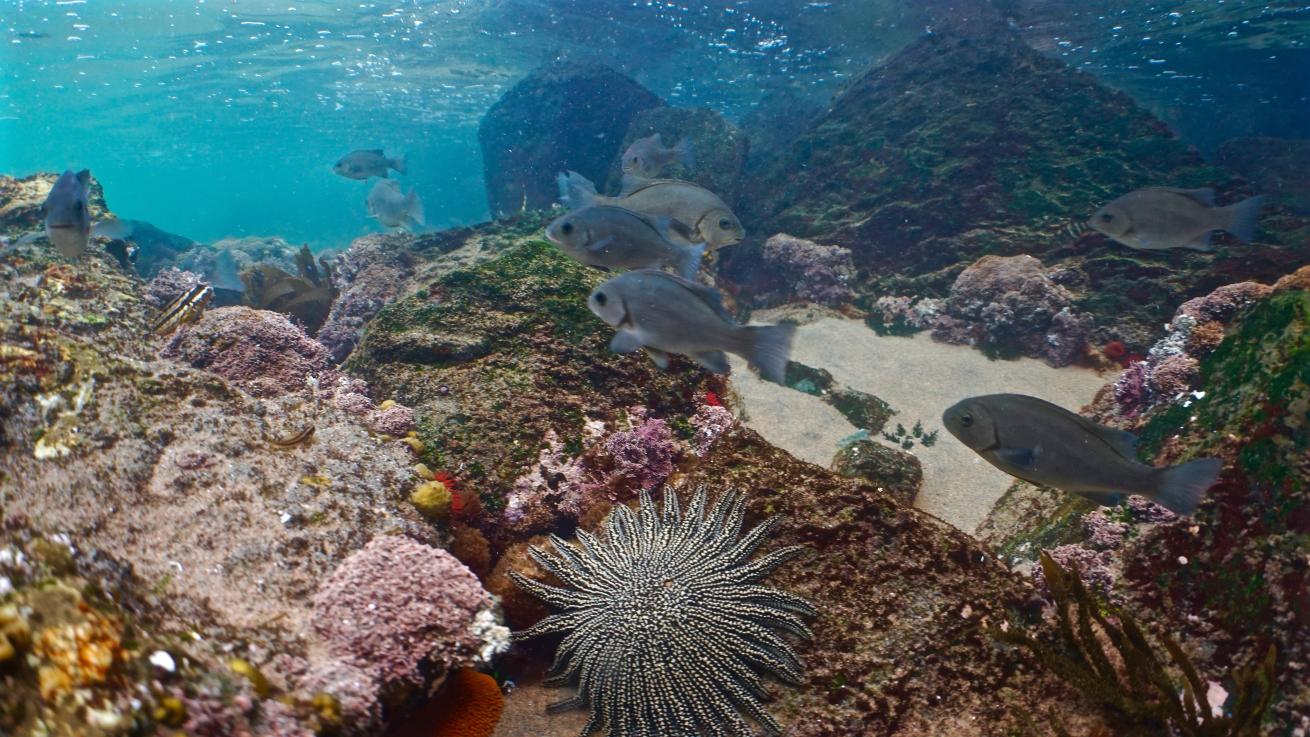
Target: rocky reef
[920,171]
[1231,580]
[562,116]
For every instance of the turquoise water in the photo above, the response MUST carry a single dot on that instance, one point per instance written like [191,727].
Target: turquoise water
[215,119]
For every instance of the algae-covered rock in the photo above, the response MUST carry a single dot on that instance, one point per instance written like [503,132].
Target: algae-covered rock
[561,116]
[897,472]
[1280,166]
[969,143]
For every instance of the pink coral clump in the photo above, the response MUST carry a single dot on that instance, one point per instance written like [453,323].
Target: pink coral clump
[710,421]
[1223,303]
[262,352]
[397,604]
[1174,375]
[643,456]
[395,420]
[368,274]
[819,274]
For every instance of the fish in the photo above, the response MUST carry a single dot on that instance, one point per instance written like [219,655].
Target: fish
[66,213]
[709,218]
[393,209]
[363,164]
[294,439]
[647,157]
[662,314]
[1045,444]
[185,308]
[610,237]
[1158,218]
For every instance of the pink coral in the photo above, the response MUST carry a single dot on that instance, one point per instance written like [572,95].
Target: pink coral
[1174,375]
[1014,303]
[368,274]
[262,352]
[397,604]
[354,689]
[1223,303]
[395,420]
[820,274]
[643,456]
[710,421]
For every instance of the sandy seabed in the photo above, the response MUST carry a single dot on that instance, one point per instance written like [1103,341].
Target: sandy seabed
[919,378]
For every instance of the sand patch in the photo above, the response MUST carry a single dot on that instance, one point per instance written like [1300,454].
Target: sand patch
[919,378]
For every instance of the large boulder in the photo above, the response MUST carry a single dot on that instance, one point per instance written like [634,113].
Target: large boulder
[921,169]
[562,116]
[1278,166]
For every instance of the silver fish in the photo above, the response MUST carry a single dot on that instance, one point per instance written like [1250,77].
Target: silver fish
[617,238]
[662,314]
[393,209]
[709,218]
[648,157]
[1157,218]
[66,213]
[1045,444]
[371,163]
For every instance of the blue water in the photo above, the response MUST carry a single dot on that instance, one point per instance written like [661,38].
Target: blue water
[222,118]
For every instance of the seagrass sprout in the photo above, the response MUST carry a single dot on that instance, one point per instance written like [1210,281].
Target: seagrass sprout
[668,631]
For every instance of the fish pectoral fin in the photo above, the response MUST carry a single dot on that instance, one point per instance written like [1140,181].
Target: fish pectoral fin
[625,341]
[600,245]
[716,361]
[658,357]
[1201,242]
[29,238]
[1022,458]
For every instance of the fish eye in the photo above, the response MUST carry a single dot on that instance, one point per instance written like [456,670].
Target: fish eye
[966,420]
[601,298]
[567,228]
[725,223]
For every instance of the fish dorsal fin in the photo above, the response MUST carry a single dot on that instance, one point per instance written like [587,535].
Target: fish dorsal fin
[84,177]
[712,298]
[377,151]
[633,183]
[1204,195]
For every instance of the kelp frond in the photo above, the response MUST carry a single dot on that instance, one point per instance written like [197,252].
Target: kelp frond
[1149,689]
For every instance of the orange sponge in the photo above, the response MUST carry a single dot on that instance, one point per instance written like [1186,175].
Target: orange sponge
[468,705]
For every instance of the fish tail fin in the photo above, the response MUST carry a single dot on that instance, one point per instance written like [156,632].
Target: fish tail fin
[1242,218]
[400,164]
[1181,487]
[575,190]
[414,206]
[689,259]
[685,155]
[768,348]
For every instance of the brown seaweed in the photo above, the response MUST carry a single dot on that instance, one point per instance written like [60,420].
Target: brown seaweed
[306,297]
[1147,693]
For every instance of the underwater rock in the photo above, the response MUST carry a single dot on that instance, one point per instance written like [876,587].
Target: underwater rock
[815,273]
[718,148]
[1011,304]
[562,116]
[396,607]
[920,170]
[263,352]
[307,297]
[1230,579]
[368,274]
[168,285]
[890,469]
[221,262]
[1280,166]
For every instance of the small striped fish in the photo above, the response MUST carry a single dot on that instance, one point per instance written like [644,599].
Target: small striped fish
[293,440]
[186,308]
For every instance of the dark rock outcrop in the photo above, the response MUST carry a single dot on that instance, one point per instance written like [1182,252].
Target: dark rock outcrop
[561,116]
[1279,167]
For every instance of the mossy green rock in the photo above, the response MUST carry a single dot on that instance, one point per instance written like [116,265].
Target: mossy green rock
[894,471]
